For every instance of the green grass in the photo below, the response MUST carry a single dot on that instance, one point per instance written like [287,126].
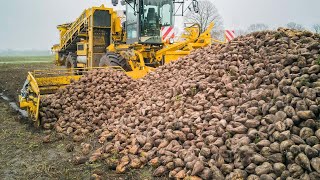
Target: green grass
[26,59]
[257,139]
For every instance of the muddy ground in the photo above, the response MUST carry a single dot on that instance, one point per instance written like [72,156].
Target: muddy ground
[12,77]
[23,155]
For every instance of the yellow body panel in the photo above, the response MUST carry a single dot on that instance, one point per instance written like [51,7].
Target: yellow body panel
[175,55]
[137,74]
[84,28]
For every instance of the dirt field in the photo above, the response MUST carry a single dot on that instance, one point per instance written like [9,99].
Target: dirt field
[13,75]
[23,155]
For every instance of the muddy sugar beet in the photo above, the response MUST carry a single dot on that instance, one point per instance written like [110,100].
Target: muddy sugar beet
[248,109]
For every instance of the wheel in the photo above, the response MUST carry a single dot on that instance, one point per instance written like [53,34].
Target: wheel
[71,62]
[62,59]
[114,59]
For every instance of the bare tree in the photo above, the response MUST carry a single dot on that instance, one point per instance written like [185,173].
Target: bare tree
[316,28]
[293,25]
[257,27]
[208,13]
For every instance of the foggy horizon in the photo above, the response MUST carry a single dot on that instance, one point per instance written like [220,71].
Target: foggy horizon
[31,25]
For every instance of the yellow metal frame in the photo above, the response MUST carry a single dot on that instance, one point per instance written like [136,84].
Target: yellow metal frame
[137,53]
[69,31]
[41,83]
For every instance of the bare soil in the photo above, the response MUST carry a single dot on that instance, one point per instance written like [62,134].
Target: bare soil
[12,77]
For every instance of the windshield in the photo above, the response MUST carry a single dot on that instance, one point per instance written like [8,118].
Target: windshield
[156,14]
[132,23]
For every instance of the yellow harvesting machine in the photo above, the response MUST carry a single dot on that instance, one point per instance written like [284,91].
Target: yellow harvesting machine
[136,42]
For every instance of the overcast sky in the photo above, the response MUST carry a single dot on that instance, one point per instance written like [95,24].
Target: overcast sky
[31,24]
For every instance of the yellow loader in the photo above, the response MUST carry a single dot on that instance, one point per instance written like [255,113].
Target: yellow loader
[101,38]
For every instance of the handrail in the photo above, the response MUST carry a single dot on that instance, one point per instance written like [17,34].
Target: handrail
[74,28]
[62,72]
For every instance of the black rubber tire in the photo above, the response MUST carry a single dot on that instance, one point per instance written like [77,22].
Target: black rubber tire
[62,59]
[71,62]
[114,59]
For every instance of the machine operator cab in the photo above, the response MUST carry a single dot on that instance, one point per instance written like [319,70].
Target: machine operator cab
[145,19]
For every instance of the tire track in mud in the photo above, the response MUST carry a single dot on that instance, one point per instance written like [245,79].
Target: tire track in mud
[14,106]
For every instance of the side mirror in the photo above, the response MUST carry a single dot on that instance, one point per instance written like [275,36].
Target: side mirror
[115,2]
[195,5]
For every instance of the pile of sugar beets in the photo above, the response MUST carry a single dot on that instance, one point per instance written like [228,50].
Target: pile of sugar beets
[248,109]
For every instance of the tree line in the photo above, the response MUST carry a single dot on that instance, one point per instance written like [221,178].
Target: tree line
[209,13]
